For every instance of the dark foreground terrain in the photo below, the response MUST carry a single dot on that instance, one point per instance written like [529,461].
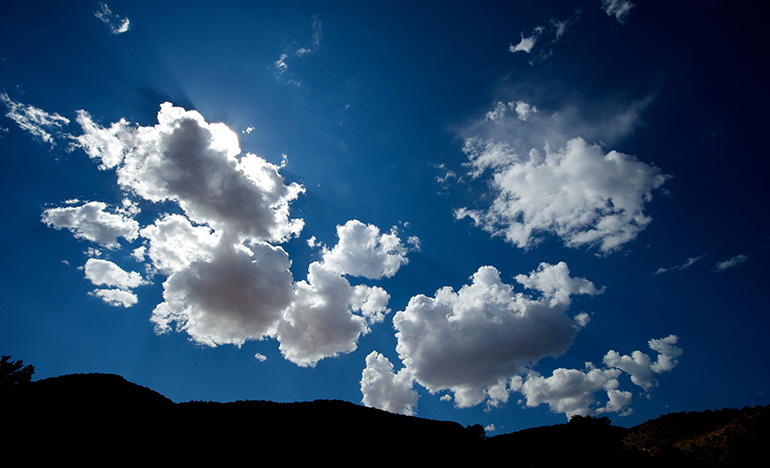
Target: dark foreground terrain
[102,418]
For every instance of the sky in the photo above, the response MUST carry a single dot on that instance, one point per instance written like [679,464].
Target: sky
[494,213]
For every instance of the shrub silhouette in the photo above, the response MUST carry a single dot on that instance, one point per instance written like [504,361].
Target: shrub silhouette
[14,373]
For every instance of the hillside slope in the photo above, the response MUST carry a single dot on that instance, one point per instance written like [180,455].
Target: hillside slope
[103,417]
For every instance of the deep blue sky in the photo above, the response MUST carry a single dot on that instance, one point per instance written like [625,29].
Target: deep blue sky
[626,144]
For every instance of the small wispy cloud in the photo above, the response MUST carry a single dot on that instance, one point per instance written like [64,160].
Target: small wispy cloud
[117,24]
[526,44]
[620,9]
[39,123]
[316,39]
[282,64]
[687,264]
[730,263]
[548,34]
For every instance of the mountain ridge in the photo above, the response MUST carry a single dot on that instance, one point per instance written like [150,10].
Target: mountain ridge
[84,415]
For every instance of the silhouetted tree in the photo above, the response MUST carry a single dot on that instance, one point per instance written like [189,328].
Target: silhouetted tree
[477,430]
[13,373]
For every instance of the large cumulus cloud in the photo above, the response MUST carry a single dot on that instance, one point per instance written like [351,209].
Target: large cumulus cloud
[236,295]
[546,178]
[196,164]
[482,343]
[474,340]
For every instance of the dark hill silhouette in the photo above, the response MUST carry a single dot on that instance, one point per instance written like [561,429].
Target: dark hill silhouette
[98,415]
[103,418]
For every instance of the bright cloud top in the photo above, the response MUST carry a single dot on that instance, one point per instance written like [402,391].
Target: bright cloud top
[578,192]
[363,251]
[196,164]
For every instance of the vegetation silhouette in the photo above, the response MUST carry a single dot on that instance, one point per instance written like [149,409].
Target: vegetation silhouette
[14,372]
[103,417]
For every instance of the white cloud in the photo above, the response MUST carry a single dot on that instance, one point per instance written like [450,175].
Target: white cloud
[363,251]
[104,272]
[175,243]
[316,39]
[545,182]
[189,161]
[526,44]
[117,24]
[639,365]
[473,341]
[579,193]
[116,297]
[34,120]
[92,222]
[609,121]
[120,282]
[620,9]
[385,389]
[327,316]
[538,43]
[226,283]
[556,285]
[281,64]
[497,113]
[236,295]
[687,264]
[522,109]
[108,145]
[573,391]
[730,263]
[139,253]
[481,342]
[667,353]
